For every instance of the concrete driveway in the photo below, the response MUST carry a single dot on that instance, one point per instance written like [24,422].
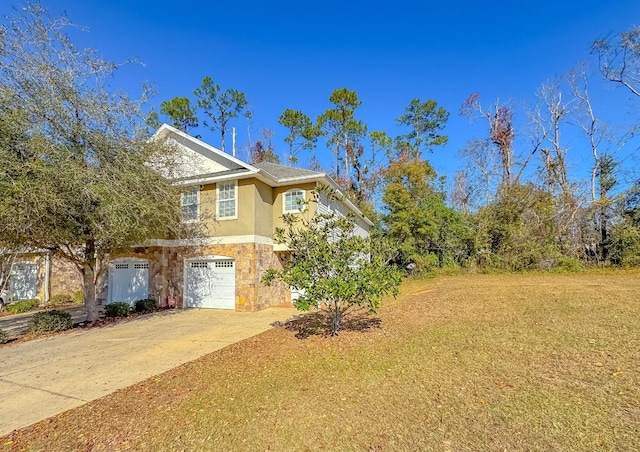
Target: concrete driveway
[44,377]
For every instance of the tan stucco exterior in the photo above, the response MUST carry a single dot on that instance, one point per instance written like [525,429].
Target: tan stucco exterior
[246,238]
[278,202]
[259,208]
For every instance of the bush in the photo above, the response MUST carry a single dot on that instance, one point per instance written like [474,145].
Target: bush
[50,321]
[569,265]
[78,296]
[119,309]
[624,244]
[146,305]
[23,306]
[60,299]
[4,337]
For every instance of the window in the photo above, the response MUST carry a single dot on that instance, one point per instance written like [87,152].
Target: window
[294,201]
[190,205]
[227,200]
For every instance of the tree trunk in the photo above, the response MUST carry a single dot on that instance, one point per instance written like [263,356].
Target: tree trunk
[89,282]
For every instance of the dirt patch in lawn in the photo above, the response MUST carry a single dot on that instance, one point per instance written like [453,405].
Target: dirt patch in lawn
[475,362]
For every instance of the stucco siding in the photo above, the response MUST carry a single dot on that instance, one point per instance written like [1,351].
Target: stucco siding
[278,202]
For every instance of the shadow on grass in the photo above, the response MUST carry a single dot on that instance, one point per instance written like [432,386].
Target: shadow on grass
[319,323]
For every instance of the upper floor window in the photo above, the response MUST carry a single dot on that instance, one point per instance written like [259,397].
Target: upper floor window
[191,204]
[227,197]
[294,201]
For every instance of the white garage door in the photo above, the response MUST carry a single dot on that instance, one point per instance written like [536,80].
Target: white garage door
[24,281]
[210,284]
[128,281]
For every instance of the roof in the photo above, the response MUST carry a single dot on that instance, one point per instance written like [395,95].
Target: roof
[281,173]
[270,173]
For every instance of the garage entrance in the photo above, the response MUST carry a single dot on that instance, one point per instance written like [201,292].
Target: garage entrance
[24,281]
[210,283]
[128,280]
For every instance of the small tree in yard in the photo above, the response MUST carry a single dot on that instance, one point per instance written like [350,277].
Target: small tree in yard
[332,268]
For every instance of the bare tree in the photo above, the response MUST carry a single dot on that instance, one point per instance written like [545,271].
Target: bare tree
[619,58]
[482,171]
[605,144]
[500,121]
[548,116]
[461,193]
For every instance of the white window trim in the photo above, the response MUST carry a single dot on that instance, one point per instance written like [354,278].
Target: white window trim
[235,191]
[195,220]
[301,208]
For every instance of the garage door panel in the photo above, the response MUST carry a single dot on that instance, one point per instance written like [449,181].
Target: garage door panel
[129,282]
[24,281]
[210,284]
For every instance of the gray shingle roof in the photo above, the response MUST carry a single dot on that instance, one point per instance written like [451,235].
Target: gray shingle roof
[281,172]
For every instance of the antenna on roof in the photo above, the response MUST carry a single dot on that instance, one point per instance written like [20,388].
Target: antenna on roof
[233,141]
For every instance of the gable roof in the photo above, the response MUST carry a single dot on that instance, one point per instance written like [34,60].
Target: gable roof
[283,173]
[227,167]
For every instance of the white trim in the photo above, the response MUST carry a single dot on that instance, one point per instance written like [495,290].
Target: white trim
[166,129]
[301,208]
[204,241]
[235,199]
[209,257]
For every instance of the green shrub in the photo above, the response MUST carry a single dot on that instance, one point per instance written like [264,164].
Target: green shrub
[49,321]
[78,296]
[4,337]
[119,309]
[569,265]
[624,244]
[23,306]
[146,305]
[60,299]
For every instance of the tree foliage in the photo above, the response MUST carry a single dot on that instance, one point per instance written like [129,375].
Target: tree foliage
[79,177]
[302,133]
[427,234]
[220,106]
[331,267]
[343,130]
[180,112]
[426,120]
[259,153]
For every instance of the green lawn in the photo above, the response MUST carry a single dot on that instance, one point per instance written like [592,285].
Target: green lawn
[475,362]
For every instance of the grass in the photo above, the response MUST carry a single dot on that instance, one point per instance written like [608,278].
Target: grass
[474,362]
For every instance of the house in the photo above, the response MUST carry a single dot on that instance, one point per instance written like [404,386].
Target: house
[36,274]
[240,205]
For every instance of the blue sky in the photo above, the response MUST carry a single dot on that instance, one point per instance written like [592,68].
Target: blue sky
[294,54]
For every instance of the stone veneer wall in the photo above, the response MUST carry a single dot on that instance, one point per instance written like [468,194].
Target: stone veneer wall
[166,273]
[65,277]
[251,260]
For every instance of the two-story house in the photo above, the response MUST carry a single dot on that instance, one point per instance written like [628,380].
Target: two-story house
[240,204]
